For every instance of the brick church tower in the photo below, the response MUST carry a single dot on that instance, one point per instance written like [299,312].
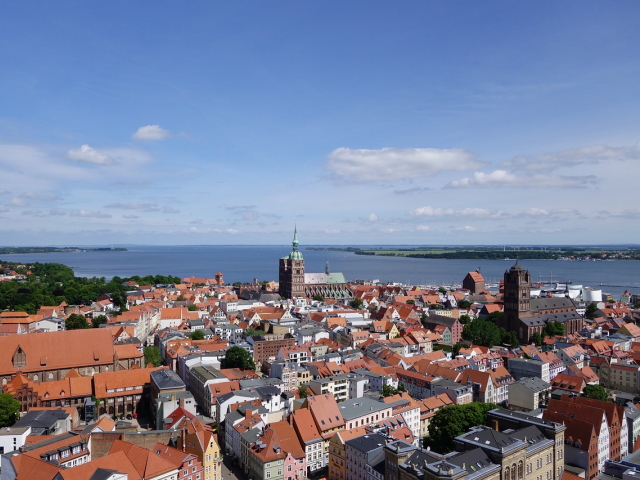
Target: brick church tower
[292,272]
[517,296]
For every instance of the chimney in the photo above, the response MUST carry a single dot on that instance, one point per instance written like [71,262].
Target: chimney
[247,413]
[183,434]
[494,425]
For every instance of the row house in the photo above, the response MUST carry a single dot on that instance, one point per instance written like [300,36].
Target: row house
[618,376]
[65,451]
[291,374]
[310,439]
[488,387]
[561,412]
[361,452]
[363,411]
[337,456]
[403,404]
[556,365]
[618,428]
[486,361]
[296,353]
[526,367]
[529,393]
[248,417]
[276,455]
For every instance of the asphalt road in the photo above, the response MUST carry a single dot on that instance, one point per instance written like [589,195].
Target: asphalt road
[232,473]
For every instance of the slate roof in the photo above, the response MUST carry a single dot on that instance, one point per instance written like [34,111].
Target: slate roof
[535,384]
[488,438]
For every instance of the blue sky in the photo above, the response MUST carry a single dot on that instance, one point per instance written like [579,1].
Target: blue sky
[363,122]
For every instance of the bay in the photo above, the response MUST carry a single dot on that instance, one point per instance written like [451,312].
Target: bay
[246,263]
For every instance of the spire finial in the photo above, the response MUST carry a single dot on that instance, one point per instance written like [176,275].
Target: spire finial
[295,238]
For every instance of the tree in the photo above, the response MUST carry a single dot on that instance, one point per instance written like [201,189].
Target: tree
[495,317]
[76,322]
[388,390]
[238,357]
[590,311]
[99,320]
[442,290]
[454,420]
[356,303]
[9,409]
[510,338]
[410,302]
[197,335]
[482,332]
[251,332]
[596,392]
[536,338]
[192,308]
[318,298]
[464,319]
[554,328]
[455,351]
[152,355]
[303,390]
[464,304]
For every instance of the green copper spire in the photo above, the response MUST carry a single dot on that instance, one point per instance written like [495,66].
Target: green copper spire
[295,254]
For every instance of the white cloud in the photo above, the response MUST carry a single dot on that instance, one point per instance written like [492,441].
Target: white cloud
[467,228]
[432,212]
[536,212]
[594,154]
[4,192]
[170,210]
[130,217]
[503,178]
[89,214]
[450,212]
[423,228]
[372,217]
[18,202]
[231,231]
[150,133]
[390,164]
[89,155]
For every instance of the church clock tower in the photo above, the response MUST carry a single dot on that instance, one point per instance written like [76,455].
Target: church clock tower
[292,272]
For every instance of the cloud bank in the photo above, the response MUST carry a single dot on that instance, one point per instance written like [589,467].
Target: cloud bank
[390,164]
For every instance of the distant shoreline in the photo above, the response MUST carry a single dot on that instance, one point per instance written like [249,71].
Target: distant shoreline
[29,250]
[444,253]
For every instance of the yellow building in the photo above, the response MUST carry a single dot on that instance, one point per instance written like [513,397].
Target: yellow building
[337,455]
[200,440]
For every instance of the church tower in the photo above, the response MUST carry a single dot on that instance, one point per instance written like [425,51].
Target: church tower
[292,272]
[517,296]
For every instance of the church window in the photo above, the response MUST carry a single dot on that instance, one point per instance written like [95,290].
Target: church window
[19,358]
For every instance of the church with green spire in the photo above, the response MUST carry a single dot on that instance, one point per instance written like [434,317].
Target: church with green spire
[294,282]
